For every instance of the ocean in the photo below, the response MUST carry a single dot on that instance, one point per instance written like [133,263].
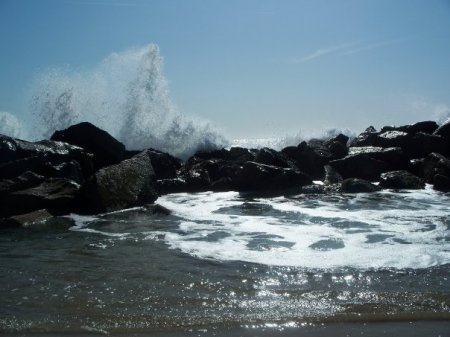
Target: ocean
[227,264]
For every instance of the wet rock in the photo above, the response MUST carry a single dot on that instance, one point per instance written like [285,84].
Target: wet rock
[55,194]
[332,176]
[48,158]
[260,177]
[366,138]
[360,166]
[392,139]
[271,157]
[441,183]
[355,185]
[444,130]
[425,127]
[165,165]
[106,149]
[130,183]
[392,156]
[434,164]
[27,220]
[421,144]
[401,180]
[26,180]
[175,185]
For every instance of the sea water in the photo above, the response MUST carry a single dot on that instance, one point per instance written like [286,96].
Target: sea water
[225,261]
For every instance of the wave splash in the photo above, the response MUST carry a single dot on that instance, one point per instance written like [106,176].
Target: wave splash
[126,95]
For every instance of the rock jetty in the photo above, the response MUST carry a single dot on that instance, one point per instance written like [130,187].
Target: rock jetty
[85,170]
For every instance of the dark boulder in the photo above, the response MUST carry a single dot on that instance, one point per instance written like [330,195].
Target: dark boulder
[392,139]
[127,184]
[55,194]
[18,156]
[441,183]
[332,176]
[165,165]
[392,156]
[31,219]
[434,164]
[421,144]
[174,185]
[260,177]
[271,157]
[444,130]
[401,180]
[106,149]
[366,138]
[309,157]
[425,127]
[355,185]
[22,182]
[360,166]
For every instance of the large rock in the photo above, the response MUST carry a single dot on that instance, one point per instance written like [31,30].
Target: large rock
[58,195]
[106,149]
[44,157]
[366,138]
[260,177]
[444,130]
[401,180]
[127,184]
[360,166]
[355,185]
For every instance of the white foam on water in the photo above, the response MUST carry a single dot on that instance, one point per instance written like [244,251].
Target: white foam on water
[411,230]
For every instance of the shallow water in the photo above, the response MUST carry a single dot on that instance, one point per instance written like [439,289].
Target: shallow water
[225,263]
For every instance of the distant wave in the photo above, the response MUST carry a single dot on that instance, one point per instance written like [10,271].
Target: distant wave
[127,95]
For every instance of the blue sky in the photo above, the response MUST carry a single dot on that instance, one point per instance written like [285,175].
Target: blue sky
[252,68]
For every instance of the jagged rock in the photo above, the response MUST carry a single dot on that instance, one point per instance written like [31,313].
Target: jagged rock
[444,130]
[260,177]
[401,180]
[49,158]
[392,139]
[425,127]
[360,166]
[26,180]
[355,185]
[27,220]
[55,194]
[434,164]
[271,157]
[366,138]
[165,165]
[130,183]
[392,156]
[441,183]
[106,149]
[332,176]
[175,185]
[309,157]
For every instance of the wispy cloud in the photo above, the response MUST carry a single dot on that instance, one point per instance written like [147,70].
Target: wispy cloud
[346,49]
[323,52]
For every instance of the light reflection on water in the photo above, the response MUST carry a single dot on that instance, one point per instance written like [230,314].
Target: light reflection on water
[132,272]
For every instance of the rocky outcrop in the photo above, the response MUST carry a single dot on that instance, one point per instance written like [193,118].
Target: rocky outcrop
[355,185]
[127,184]
[106,149]
[55,194]
[401,180]
[260,177]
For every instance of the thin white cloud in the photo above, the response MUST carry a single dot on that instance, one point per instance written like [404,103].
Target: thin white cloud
[323,52]
[346,49]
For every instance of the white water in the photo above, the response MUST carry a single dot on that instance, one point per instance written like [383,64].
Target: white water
[407,230]
[126,95]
